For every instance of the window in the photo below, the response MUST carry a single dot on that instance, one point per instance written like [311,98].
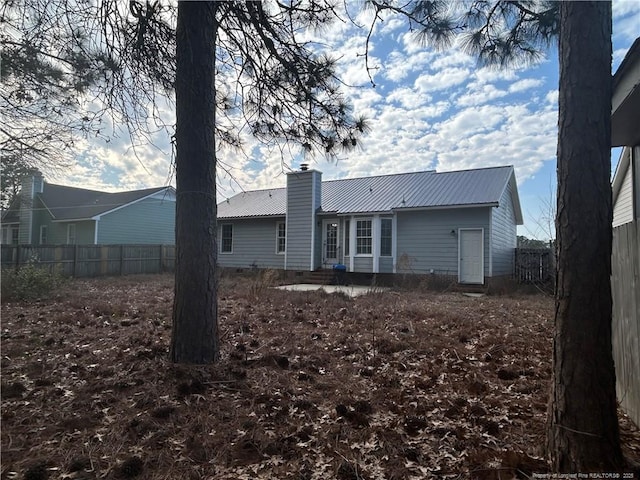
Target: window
[9,235]
[281,237]
[363,237]
[385,237]
[347,229]
[226,244]
[71,234]
[43,234]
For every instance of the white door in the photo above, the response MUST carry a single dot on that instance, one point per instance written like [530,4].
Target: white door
[330,242]
[470,248]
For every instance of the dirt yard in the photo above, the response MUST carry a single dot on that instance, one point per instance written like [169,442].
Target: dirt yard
[390,385]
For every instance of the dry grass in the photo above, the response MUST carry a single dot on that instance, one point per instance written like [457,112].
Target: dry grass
[310,386]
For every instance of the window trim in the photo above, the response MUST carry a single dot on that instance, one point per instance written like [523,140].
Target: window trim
[347,238]
[222,250]
[283,237]
[75,234]
[370,237]
[44,228]
[382,221]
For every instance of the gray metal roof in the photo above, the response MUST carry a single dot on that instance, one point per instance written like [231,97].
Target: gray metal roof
[386,193]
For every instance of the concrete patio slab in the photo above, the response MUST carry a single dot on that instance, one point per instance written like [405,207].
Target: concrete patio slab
[350,290]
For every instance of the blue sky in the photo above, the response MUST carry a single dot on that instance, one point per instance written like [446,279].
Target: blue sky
[427,111]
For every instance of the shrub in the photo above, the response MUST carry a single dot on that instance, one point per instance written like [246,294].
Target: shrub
[31,281]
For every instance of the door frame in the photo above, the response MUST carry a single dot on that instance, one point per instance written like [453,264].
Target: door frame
[325,259]
[461,231]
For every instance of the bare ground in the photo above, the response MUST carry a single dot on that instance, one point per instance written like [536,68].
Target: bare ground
[392,385]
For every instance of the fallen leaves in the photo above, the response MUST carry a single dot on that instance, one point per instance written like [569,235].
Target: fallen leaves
[395,385]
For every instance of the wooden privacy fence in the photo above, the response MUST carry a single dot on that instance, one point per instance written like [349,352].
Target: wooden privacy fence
[534,265]
[92,260]
[625,289]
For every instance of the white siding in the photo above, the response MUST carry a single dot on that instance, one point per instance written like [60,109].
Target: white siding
[623,208]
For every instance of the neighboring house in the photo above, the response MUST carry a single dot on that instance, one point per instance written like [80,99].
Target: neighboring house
[625,131]
[625,259]
[459,223]
[48,214]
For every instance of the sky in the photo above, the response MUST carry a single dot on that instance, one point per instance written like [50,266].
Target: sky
[428,111]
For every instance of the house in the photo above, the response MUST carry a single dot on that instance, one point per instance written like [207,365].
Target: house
[625,258]
[461,224]
[47,214]
[625,131]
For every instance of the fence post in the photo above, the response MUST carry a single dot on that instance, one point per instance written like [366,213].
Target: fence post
[17,252]
[75,260]
[121,260]
[161,259]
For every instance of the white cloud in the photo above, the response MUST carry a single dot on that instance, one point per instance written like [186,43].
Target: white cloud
[480,95]
[525,84]
[443,80]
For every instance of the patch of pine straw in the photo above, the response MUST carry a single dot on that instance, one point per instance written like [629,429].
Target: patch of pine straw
[393,385]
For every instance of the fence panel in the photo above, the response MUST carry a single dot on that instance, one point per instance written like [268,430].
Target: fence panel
[534,265]
[92,260]
[625,288]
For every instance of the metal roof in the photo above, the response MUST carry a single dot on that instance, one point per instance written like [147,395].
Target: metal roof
[386,193]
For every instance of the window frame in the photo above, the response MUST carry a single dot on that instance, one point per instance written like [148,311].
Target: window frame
[359,252]
[223,239]
[72,239]
[389,237]
[347,238]
[44,238]
[281,239]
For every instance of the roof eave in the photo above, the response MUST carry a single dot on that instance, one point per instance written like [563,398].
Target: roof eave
[250,217]
[446,207]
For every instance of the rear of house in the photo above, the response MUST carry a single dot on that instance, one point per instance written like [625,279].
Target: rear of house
[461,224]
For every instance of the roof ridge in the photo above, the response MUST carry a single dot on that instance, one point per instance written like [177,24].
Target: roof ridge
[102,192]
[379,176]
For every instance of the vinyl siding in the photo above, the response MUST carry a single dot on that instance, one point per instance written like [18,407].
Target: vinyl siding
[363,264]
[623,208]
[300,220]
[254,244]
[503,235]
[149,221]
[386,265]
[56,233]
[425,241]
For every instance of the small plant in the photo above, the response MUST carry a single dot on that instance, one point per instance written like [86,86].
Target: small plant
[263,281]
[31,281]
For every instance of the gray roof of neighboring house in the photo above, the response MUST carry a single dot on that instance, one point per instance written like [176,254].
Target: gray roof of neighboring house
[70,203]
[385,193]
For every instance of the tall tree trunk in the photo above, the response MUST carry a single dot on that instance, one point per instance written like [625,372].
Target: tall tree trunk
[195,325]
[583,431]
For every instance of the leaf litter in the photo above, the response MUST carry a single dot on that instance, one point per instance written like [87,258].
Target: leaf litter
[390,385]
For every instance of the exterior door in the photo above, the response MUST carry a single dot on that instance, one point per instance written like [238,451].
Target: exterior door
[330,241]
[470,248]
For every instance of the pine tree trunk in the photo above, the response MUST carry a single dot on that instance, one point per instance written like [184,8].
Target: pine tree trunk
[195,324]
[583,431]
